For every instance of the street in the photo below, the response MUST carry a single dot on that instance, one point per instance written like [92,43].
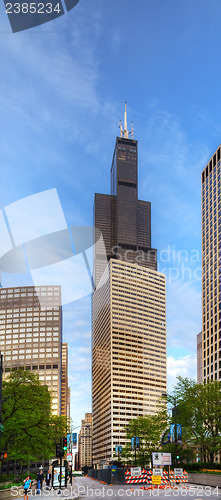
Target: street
[84,487]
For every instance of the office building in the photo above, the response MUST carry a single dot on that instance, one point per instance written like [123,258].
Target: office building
[211,270]
[31,334]
[85,441]
[128,308]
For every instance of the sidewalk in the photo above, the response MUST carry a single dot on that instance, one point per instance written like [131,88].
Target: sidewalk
[53,493]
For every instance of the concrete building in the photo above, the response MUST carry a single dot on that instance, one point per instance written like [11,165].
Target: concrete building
[85,441]
[211,270]
[31,334]
[199,359]
[128,308]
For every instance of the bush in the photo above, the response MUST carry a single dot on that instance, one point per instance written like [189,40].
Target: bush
[200,466]
[5,478]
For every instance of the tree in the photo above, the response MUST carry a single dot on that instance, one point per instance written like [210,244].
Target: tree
[199,412]
[149,429]
[30,432]
[58,427]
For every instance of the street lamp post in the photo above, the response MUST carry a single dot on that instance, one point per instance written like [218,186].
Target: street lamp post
[174,402]
[175,431]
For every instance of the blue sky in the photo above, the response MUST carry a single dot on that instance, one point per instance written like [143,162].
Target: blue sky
[62,92]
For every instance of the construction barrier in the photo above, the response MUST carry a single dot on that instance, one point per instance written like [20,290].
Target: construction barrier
[146,477]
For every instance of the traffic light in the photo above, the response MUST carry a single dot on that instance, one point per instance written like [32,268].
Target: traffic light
[65,443]
[178,456]
[57,450]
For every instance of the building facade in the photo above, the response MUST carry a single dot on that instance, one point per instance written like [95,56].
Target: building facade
[211,270]
[128,309]
[65,390]
[199,359]
[31,334]
[85,441]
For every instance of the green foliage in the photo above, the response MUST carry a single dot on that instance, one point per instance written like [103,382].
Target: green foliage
[58,427]
[198,408]
[30,432]
[149,429]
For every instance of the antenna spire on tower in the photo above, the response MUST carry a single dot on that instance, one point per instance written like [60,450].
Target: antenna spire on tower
[124,133]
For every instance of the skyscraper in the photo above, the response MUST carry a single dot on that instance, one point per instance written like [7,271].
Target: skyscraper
[85,441]
[211,269]
[128,310]
[31,334]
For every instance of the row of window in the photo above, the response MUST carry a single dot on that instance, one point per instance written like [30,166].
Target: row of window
[211,165]
[34,356]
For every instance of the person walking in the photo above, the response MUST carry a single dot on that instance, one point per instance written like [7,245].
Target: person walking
[27,485]
[40,479]
[48,479]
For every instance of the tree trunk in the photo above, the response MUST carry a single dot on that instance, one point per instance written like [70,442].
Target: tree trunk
[2,463]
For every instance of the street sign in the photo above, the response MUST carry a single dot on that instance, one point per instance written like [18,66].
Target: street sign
[69,457]
[135,471]
[161,458]
[1,427]
[74,440]
[178,472]
[157,472]
[156,479]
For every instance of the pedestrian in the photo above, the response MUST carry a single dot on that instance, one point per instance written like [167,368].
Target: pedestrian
[48,479]
[40,479]
[27,485]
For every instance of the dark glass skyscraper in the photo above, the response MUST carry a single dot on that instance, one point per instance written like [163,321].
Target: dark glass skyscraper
[124,221]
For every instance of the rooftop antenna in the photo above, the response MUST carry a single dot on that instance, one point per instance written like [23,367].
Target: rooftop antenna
[124,133]
[125,122]
[132,130]
[121,129]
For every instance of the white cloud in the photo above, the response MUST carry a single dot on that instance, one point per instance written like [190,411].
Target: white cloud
[183,366]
